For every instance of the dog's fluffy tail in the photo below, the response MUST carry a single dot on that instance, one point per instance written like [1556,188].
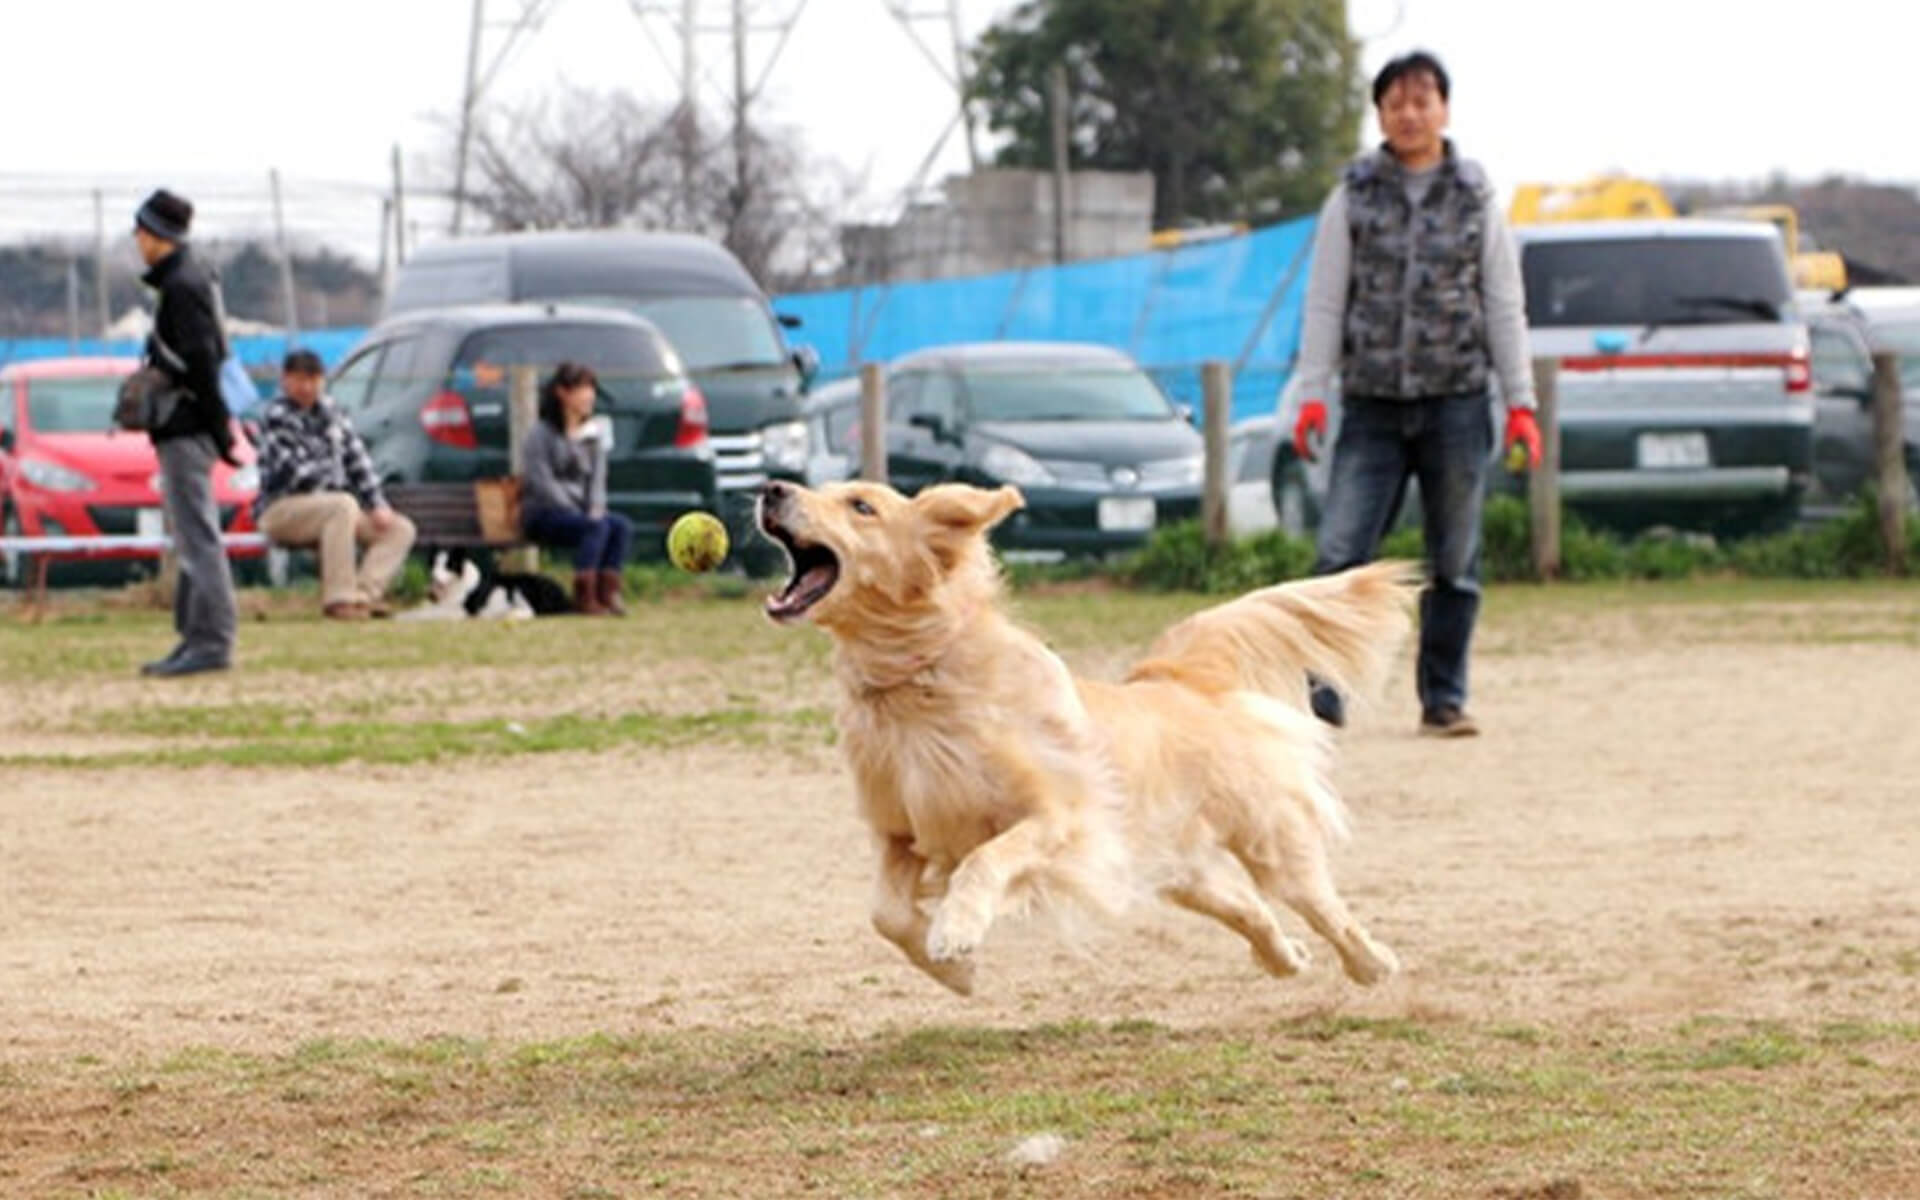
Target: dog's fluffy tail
[1344,628]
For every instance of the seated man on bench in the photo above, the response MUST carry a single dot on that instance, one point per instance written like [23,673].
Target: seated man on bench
[317,488]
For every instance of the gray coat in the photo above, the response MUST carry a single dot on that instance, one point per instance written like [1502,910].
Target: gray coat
[559,472]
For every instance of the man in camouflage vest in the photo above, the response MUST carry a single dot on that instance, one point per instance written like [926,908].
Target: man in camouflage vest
[1415,300]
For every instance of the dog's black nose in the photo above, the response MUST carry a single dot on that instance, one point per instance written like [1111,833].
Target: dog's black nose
[775,489]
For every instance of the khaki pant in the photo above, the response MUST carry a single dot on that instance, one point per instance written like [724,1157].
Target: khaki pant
[334,522]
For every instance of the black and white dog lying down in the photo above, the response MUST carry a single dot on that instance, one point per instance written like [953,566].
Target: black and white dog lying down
[457,588]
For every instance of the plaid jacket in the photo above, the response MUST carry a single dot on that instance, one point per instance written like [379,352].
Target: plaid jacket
[315,450]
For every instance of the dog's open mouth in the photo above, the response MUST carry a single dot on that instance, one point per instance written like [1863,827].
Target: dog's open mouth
[815,570]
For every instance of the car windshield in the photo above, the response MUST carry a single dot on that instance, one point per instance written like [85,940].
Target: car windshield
[1903,338]
[78,405]
[710,332]
[1071,393]
[1656,281]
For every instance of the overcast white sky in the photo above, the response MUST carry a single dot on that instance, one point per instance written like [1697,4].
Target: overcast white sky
[207,95]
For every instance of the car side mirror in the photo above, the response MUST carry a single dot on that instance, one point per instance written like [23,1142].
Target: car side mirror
[806,360]
[932,423]
[1185,411]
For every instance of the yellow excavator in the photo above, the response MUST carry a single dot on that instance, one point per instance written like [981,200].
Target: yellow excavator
[1618,197]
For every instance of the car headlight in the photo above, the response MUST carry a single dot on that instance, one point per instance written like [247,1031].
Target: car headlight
[785,445]
[245,479]
[54,477]
[1187,471]
[1012,465]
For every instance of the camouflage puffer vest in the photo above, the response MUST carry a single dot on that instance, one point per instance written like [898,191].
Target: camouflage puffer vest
[1415,325]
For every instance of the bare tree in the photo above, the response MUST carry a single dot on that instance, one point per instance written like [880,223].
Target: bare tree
[583,159]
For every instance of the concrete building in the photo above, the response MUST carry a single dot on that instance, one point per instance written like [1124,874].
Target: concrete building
[1001,219]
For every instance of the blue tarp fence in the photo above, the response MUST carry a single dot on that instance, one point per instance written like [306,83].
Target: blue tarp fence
[1238,299]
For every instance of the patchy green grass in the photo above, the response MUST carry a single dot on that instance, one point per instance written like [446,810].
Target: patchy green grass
[1316,1107]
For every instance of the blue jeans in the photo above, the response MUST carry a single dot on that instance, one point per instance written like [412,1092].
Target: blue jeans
[598,543]
[1444,442]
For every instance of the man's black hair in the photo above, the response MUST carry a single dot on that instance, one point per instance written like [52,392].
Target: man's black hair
[1417,62]
[302,362]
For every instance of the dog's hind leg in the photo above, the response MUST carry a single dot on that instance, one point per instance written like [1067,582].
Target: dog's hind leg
[1217,887]
[1298,877]
[897,915]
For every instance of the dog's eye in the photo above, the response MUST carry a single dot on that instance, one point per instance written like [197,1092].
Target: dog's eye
[860,506]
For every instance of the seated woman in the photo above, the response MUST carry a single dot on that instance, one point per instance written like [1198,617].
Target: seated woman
[563,490]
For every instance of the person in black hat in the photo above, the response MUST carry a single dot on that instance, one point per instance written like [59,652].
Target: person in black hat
[318,488]
[188,344]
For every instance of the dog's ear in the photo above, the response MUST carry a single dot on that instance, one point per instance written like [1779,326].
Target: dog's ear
[954,513]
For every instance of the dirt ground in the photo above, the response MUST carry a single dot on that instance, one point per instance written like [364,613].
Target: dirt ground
[1669,815]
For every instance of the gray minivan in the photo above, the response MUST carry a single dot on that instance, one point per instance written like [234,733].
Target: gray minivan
[1686,392]
[693,290]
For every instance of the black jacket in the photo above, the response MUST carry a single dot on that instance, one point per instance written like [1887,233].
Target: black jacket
[185,320]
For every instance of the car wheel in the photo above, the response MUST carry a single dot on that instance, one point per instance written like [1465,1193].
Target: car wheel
[1292,503]
[13,564]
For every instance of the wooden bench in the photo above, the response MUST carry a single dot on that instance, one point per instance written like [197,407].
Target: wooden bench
[445,514]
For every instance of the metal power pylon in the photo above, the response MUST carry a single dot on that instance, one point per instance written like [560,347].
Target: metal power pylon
[505,35]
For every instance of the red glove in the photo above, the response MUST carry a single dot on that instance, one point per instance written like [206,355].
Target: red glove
[1310,427]
[1522,430]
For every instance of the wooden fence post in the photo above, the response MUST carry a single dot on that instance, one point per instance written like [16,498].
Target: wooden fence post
[1216,390]
[1543,484]
[523,409]
[873,422]
[1889,442]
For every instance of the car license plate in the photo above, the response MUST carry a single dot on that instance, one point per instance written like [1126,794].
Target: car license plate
[1126,514]
[1669,451]
[147,522]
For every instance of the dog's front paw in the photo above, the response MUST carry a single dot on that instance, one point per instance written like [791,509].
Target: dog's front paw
[955,933]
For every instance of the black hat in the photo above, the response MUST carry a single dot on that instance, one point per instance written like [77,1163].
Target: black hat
[302,362]
[165,215]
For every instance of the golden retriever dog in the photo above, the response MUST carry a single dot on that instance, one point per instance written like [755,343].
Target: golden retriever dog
[991,776]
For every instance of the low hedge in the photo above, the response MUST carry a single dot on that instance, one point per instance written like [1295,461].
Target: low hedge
[1178,558]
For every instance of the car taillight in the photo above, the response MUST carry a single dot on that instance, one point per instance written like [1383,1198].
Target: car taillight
[693,418]
[1799,372]
[448,421]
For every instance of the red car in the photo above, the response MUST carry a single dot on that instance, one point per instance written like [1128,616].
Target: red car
[66,469]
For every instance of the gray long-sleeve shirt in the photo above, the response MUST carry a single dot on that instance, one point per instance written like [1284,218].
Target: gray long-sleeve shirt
[557,471]
[1327,286]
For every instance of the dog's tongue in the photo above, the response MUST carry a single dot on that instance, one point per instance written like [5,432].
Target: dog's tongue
[806,587]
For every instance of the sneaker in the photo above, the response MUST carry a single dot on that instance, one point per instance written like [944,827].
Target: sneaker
[159,665]
[1447,722]
[193,662]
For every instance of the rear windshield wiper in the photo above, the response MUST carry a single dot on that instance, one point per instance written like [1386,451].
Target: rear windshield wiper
[745,364]
[1757,306]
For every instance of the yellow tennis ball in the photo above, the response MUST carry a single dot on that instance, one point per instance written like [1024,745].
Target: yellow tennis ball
[1517,458]
[697,541]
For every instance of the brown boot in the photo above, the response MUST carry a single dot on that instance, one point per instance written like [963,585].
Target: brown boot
[609,592]
[586,601]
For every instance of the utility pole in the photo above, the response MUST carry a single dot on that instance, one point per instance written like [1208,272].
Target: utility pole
[399,211]
[286,259]
[960,80]
[740,138]
[385,275]
[467,99]
[73,303]
[100,298]
[1057,112]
